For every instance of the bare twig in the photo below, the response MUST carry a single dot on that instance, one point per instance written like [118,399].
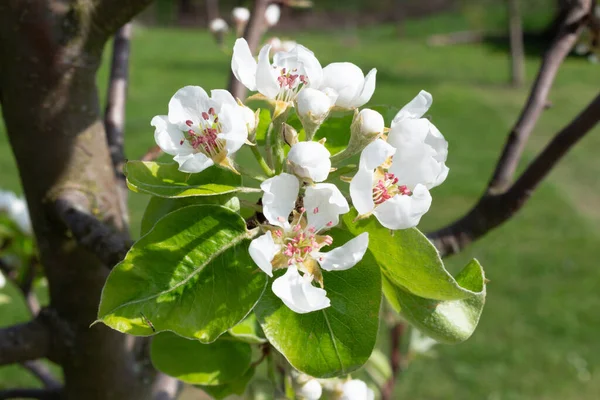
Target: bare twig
[152,154]
[43,373]
[561,46]
[114,117]
[396,333]
[24,342]
[40,394]
[494,209]
[517,51]
[108,246]
[254,31]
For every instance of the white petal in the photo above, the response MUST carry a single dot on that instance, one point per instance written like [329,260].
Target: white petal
[311,390]
[375,154]
[368,89]
[346,79]
[324,203]
[416,108]
[312,66]
[263,250]
[402,212]
[346,256]
[187,103]
[313,101]
[168,136]
[356,390]
[266,83]
[310,160]
[2,280]
[361,191]
[191,163]
[408,131]
[298,293]
[243,64]
[370,122]
[234,129]
[279,198]
[222,96]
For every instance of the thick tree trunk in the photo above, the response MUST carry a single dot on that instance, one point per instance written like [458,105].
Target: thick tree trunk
[49,55]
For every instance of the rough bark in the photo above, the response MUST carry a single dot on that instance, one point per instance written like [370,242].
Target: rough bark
[49,54]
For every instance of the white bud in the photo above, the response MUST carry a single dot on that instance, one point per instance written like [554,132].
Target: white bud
[241,14]
[370,122]
[311,390]
[218,25]
[272,14]
[310,161]
[249,118]
[313,107]
[288,45]
[3,283]
[356,390]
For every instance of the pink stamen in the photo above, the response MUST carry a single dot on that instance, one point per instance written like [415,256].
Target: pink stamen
[316,210]
[189,122]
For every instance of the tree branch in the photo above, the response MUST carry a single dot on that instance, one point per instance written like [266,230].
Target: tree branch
[24,342]
[40,394]
[43,373]
[560,47]
[396,333]
[494,209]
[110,15]
[108,246]
[114,116]
[254,31]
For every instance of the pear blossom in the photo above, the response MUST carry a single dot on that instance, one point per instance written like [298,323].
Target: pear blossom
[421,149]
[297,245]
[218,25]
[309,161]
[356,389]
[16,209]
[352,87]
[200,131]
[312,108]
[272,14]
[375,190]
[311,390]
[280,81]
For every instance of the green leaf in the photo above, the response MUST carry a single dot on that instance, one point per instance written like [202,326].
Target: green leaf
[409,260]
[191,274]
[238,386]
[449,321]
[165,180]
[249,331]
[190,361]
[334,341]
[158,207]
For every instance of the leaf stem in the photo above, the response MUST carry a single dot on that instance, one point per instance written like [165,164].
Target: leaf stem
[277,142]
[261,161]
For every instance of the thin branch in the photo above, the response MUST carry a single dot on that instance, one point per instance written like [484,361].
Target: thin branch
[43,373]
[396,333]
[24,342]
[255,29]
[152,154]
[560,47]
[108,246]
[40,394]
[114,117]
[494,209]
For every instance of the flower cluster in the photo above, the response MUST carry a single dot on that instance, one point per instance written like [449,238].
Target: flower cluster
[397,166]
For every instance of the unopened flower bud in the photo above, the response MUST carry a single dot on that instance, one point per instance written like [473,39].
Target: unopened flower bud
[368,124]
[218,27]
[311,390]
[251,118]
[290,135]
[272,14]
[313,107]
[241,15]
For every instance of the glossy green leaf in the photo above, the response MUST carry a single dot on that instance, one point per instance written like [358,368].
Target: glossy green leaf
[190,274]
[238,386]
[449,321]
[249,331]
[334,341]
[165,180]
[158,207]
[190,361]
[409,260]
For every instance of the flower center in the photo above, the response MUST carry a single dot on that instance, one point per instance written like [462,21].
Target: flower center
[204,137]
[290,82]
[387,187]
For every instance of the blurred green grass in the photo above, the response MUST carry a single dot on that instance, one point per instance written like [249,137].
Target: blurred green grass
[538,334]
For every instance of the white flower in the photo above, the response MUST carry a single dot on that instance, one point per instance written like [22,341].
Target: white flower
[218,25]
[421,149]
[369,123]
[313,107]
[356,390]
[374,190]
[272,14]
[280,81]
[352,87]
[311,390]
[16,209]
[297,245]
[241,14]
[310,161]
[201,131]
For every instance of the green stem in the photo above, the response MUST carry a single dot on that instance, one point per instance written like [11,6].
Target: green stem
[341,156]
[261,161]
[277,141]
[342,170]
